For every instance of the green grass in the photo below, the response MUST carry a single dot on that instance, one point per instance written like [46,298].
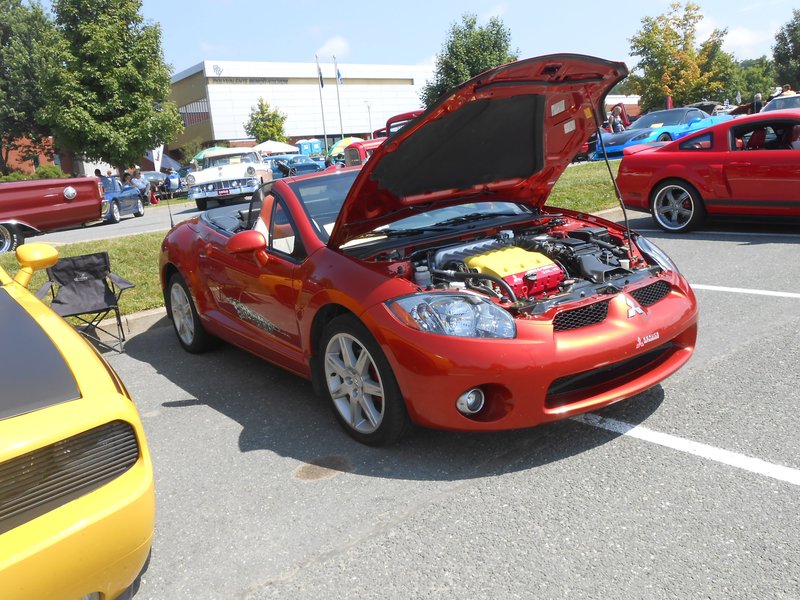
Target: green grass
[133,257]
[585,187]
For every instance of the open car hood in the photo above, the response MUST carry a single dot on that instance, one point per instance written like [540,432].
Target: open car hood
[508,133]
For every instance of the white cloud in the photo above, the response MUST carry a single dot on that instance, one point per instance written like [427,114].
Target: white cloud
[742,42]
[336,46]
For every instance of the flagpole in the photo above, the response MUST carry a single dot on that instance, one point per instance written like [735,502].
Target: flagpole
[321,107]
[338,100]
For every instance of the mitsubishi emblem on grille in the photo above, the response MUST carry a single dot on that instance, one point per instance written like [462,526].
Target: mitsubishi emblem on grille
[633,308]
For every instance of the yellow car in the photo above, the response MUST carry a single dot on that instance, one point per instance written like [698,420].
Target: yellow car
[77,507]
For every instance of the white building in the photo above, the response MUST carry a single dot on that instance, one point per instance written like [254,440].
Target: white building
[215,97]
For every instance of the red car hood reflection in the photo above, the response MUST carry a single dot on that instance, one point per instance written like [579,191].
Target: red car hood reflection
[509,133]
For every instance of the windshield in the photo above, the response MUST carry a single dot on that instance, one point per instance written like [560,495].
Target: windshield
[781,103]
[230,159]
[658,119]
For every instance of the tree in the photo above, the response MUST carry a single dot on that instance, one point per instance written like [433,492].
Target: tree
[21,63]
[468,51]
[106,96]
[671,63]
[786,52]
[265,123]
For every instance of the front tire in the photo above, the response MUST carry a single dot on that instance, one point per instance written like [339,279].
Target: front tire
[185,320]
[10,237]
[360,384]
[202,203]
[115,216]
[676,206]
[139,212]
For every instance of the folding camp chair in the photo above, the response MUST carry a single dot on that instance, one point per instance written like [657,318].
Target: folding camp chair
[85,288]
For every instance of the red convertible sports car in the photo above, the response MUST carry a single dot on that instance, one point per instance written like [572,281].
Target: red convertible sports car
[747,167]
[432,286]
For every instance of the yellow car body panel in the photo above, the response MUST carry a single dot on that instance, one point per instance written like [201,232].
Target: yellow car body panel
[99,541]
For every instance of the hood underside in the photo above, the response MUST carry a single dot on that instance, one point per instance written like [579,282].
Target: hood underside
[509,133]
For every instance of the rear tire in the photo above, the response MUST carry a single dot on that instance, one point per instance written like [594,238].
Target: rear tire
[10,237]
[202,203]
[676,206]
[360,384]
[185,320]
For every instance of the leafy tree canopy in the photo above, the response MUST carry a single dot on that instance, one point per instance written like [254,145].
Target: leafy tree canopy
[786,52]
[21,61]
[673,64]
[106,93]
[469,50]
[265,123]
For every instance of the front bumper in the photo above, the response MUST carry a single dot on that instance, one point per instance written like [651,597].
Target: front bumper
[221,190]
[541,375]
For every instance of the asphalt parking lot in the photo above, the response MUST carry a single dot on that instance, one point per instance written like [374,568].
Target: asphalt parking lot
[690,490]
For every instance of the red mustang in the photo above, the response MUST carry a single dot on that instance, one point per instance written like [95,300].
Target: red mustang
[432,286]
[749,166]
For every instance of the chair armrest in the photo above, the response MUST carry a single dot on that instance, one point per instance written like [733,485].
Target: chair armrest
[42,291]
[120,282]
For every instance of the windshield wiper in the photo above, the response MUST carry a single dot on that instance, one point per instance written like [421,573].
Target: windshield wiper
[475,217]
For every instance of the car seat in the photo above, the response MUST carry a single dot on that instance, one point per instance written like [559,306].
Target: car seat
[757,138]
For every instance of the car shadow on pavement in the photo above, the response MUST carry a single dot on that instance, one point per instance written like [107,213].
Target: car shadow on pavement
[279,412]
[740,232]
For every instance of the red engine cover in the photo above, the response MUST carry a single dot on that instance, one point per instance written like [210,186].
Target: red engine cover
[535,281]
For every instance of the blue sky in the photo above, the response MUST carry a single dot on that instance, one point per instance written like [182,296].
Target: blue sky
[413,31]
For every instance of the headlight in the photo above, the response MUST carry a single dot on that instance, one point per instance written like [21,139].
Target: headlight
[251,171]
[656,254]
[210,187]
[190,179]
[641,136]
[458,315]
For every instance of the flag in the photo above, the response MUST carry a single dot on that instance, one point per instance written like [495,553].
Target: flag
[738,97]
[338,75]
[319,73]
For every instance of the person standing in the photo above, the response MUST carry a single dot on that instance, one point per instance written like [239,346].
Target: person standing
[615,120]
[757,104]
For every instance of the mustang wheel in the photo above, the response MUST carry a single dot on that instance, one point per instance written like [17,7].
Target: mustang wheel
[139,212]
[115,217]
[191,334]
[10,237]
[364,393]
[676,206]
[664,137]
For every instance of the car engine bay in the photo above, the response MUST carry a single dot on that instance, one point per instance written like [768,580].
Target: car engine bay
[528,269]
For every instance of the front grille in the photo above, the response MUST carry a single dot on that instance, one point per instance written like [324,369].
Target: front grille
[650,294]
[42,480]
[576,318]
[573,388]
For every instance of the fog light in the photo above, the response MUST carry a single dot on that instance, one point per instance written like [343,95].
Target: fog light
[470,401]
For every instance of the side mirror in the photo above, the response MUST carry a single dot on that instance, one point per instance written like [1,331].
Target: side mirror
[694,121]
[32,258]
[246,241]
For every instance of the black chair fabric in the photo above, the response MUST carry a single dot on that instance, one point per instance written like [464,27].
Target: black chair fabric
[85,288]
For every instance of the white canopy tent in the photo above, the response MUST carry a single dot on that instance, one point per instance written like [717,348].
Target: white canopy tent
[273,147]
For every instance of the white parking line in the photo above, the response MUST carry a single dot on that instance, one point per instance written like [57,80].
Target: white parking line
[724,233]
[740,461]
[717,288]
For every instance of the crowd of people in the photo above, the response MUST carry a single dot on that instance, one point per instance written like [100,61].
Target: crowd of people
[133,178]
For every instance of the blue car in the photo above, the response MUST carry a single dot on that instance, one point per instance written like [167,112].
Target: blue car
[120,200]
[658,126]
[284,165]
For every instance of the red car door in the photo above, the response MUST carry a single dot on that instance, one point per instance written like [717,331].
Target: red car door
[763,181]
[256,301]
